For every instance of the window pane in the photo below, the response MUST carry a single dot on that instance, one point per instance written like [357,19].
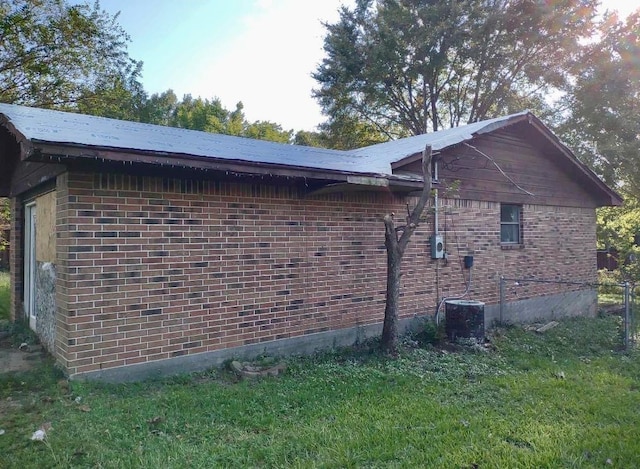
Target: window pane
[509,213]
[509,233]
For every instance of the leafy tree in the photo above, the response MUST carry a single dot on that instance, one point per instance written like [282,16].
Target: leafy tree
[211,116]
[604,103]
[619,227]
[54,54]
[160,108]
[346,132]
[604,130]
[265,130]
[308,139]
[120,97]
[413,66]
[200,114]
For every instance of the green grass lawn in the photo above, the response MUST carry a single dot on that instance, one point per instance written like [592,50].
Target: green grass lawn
[568,398]
[5,295]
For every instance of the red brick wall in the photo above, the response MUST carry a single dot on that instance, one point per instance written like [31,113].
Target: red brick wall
[559,243]
[16,260]
[151,268]
[65,296]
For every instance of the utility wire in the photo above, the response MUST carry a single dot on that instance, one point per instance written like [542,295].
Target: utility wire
[500,169]
[466,283]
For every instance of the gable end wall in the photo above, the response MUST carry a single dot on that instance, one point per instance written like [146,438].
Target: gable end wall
[529,172]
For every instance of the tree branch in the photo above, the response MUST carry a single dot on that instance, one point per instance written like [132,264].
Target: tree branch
[425,195]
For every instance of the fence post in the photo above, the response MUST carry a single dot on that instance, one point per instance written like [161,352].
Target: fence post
[501,298]
[627,314]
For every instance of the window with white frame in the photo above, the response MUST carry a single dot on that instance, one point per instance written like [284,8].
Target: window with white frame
[510,224]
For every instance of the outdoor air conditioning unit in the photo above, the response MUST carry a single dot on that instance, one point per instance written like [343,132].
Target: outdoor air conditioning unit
[437,246]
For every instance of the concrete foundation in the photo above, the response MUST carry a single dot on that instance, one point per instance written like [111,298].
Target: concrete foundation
[302,345]
[544,308]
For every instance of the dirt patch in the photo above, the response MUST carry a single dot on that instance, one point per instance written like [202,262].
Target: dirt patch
[19,359]
[9,405]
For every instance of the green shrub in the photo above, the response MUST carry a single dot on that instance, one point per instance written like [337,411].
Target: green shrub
[431,333]
[609,277]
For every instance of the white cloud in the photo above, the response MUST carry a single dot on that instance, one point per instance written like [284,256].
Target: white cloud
[268,66]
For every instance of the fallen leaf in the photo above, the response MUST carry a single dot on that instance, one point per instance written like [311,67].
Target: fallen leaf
[46,426]
[85,408]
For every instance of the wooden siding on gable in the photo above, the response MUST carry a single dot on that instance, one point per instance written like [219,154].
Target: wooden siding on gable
[30,175]
[532,172]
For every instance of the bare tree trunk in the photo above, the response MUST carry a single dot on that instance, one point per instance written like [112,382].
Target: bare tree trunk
[394,260]
[395,250]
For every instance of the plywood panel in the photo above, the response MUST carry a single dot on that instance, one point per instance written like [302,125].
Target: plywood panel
[46,227]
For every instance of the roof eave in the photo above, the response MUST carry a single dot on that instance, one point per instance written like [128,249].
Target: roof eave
[23,142]
[42,150]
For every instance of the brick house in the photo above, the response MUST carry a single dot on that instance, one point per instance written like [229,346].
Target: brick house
[141,249]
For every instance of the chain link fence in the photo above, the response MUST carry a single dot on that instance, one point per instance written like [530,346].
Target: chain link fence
[525,299]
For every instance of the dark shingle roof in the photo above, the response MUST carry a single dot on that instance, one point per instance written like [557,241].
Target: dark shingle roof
[55,127]
[91,136]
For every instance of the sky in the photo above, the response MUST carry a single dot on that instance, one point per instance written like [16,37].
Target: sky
[260,52]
